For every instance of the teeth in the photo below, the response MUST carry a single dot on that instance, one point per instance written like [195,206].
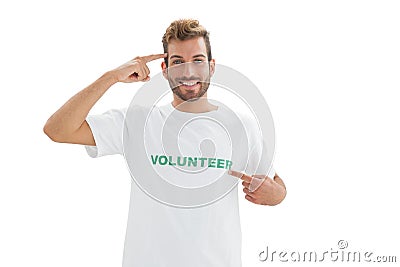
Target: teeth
[189,84]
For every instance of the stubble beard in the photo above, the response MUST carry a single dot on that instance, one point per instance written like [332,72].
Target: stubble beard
[189,97]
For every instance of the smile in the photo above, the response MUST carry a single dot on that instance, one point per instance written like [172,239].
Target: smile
[189,84]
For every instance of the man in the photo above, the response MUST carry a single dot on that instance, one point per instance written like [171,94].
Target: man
[158,234]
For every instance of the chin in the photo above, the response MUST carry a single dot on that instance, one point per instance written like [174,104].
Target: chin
[193,99]
[189,95]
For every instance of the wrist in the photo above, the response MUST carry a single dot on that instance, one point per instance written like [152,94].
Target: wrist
[110,78]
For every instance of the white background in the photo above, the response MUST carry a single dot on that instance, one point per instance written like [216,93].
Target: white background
[329,71]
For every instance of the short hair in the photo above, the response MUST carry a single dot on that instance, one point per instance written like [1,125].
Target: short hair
[185,29]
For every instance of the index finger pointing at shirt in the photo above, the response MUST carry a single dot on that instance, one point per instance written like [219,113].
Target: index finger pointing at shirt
[240,175]
[153,57]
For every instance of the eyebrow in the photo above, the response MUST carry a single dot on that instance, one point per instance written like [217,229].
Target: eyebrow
[198,55]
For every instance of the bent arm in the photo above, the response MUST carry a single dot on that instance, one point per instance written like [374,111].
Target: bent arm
[68,124]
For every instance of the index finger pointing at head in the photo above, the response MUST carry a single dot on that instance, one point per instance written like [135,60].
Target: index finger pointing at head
[154,57]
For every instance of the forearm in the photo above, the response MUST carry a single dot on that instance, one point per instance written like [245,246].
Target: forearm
[69,118]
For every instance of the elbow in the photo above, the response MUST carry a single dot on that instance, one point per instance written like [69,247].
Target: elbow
[51,133]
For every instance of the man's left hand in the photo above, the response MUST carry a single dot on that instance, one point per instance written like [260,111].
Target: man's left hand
[270,192]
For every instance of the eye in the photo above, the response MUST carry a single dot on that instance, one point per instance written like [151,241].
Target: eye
[178,61]
[198,61]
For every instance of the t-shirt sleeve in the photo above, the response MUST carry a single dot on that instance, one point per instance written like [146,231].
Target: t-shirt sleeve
[107,129]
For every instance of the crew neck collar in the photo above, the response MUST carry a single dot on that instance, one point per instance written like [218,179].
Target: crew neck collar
[172,108]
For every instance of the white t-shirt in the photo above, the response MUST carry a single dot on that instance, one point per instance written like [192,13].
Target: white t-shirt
[162,235]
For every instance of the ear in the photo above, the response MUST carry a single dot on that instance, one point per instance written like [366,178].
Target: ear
[212,67]
[164,70]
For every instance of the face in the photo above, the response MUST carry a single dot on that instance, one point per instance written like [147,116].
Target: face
[189,70]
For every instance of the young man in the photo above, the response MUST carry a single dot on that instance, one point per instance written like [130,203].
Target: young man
[159,234]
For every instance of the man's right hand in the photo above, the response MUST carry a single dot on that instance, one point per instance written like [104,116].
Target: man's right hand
[68,124]
[136,69]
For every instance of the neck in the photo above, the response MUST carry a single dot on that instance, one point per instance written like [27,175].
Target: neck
[198,106]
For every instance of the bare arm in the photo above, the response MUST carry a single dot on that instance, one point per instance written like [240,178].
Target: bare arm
[68,124]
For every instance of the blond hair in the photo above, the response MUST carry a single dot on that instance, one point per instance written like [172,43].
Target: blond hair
[184,29]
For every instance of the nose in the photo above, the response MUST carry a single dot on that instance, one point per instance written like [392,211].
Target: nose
[188,70]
